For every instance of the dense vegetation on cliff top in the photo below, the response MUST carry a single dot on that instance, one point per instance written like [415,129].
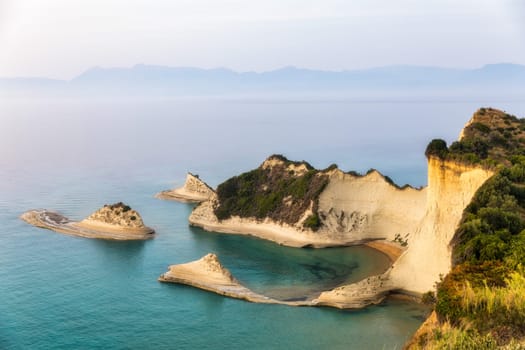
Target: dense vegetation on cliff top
[282,191]
[491,139]
[481,302]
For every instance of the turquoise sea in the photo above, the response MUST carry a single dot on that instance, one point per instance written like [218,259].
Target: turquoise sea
[63,292]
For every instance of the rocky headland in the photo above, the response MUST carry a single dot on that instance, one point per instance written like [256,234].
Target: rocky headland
[116,221]
[194,190]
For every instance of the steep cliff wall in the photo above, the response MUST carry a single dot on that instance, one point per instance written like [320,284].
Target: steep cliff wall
[451,187]
[369,207]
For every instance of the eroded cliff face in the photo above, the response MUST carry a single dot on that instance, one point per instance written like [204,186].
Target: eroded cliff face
[451,187]
[369,207]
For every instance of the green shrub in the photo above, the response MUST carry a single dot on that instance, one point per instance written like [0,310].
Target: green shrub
[313,222]
[428,298]
[437,148]
[480,127]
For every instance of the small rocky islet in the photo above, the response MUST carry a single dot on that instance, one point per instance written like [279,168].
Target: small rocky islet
[114,221]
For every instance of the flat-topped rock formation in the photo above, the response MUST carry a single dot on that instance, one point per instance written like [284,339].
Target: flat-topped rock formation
[208,274]
[194,190]
[117,221]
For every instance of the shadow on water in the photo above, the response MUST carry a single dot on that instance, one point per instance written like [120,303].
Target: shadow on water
[123,254]
[211,303]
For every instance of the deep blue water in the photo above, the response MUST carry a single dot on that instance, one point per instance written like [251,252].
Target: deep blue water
[63,292]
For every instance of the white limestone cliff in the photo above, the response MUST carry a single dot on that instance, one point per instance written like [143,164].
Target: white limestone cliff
[451,187]
[357,208]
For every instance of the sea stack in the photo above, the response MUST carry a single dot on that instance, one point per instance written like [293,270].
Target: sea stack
[116,221]
[194,190]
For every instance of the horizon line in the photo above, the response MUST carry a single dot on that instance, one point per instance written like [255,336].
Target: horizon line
[281,68]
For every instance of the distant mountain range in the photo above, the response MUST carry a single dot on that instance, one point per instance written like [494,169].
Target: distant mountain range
[490,80]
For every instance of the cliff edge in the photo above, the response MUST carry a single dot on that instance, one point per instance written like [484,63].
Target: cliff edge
[451,186]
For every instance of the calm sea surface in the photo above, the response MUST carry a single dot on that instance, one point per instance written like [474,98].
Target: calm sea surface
[62,292]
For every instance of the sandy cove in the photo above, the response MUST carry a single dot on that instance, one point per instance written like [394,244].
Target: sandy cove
[390,249]
[371,290]
[86,228]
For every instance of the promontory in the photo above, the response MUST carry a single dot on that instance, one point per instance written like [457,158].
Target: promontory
[116,222]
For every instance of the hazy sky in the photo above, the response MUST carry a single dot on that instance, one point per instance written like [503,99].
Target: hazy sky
[62,38]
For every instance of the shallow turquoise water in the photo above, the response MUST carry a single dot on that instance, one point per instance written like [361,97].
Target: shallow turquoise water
[63,292]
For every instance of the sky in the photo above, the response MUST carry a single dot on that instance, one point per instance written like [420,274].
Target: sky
[62,38]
